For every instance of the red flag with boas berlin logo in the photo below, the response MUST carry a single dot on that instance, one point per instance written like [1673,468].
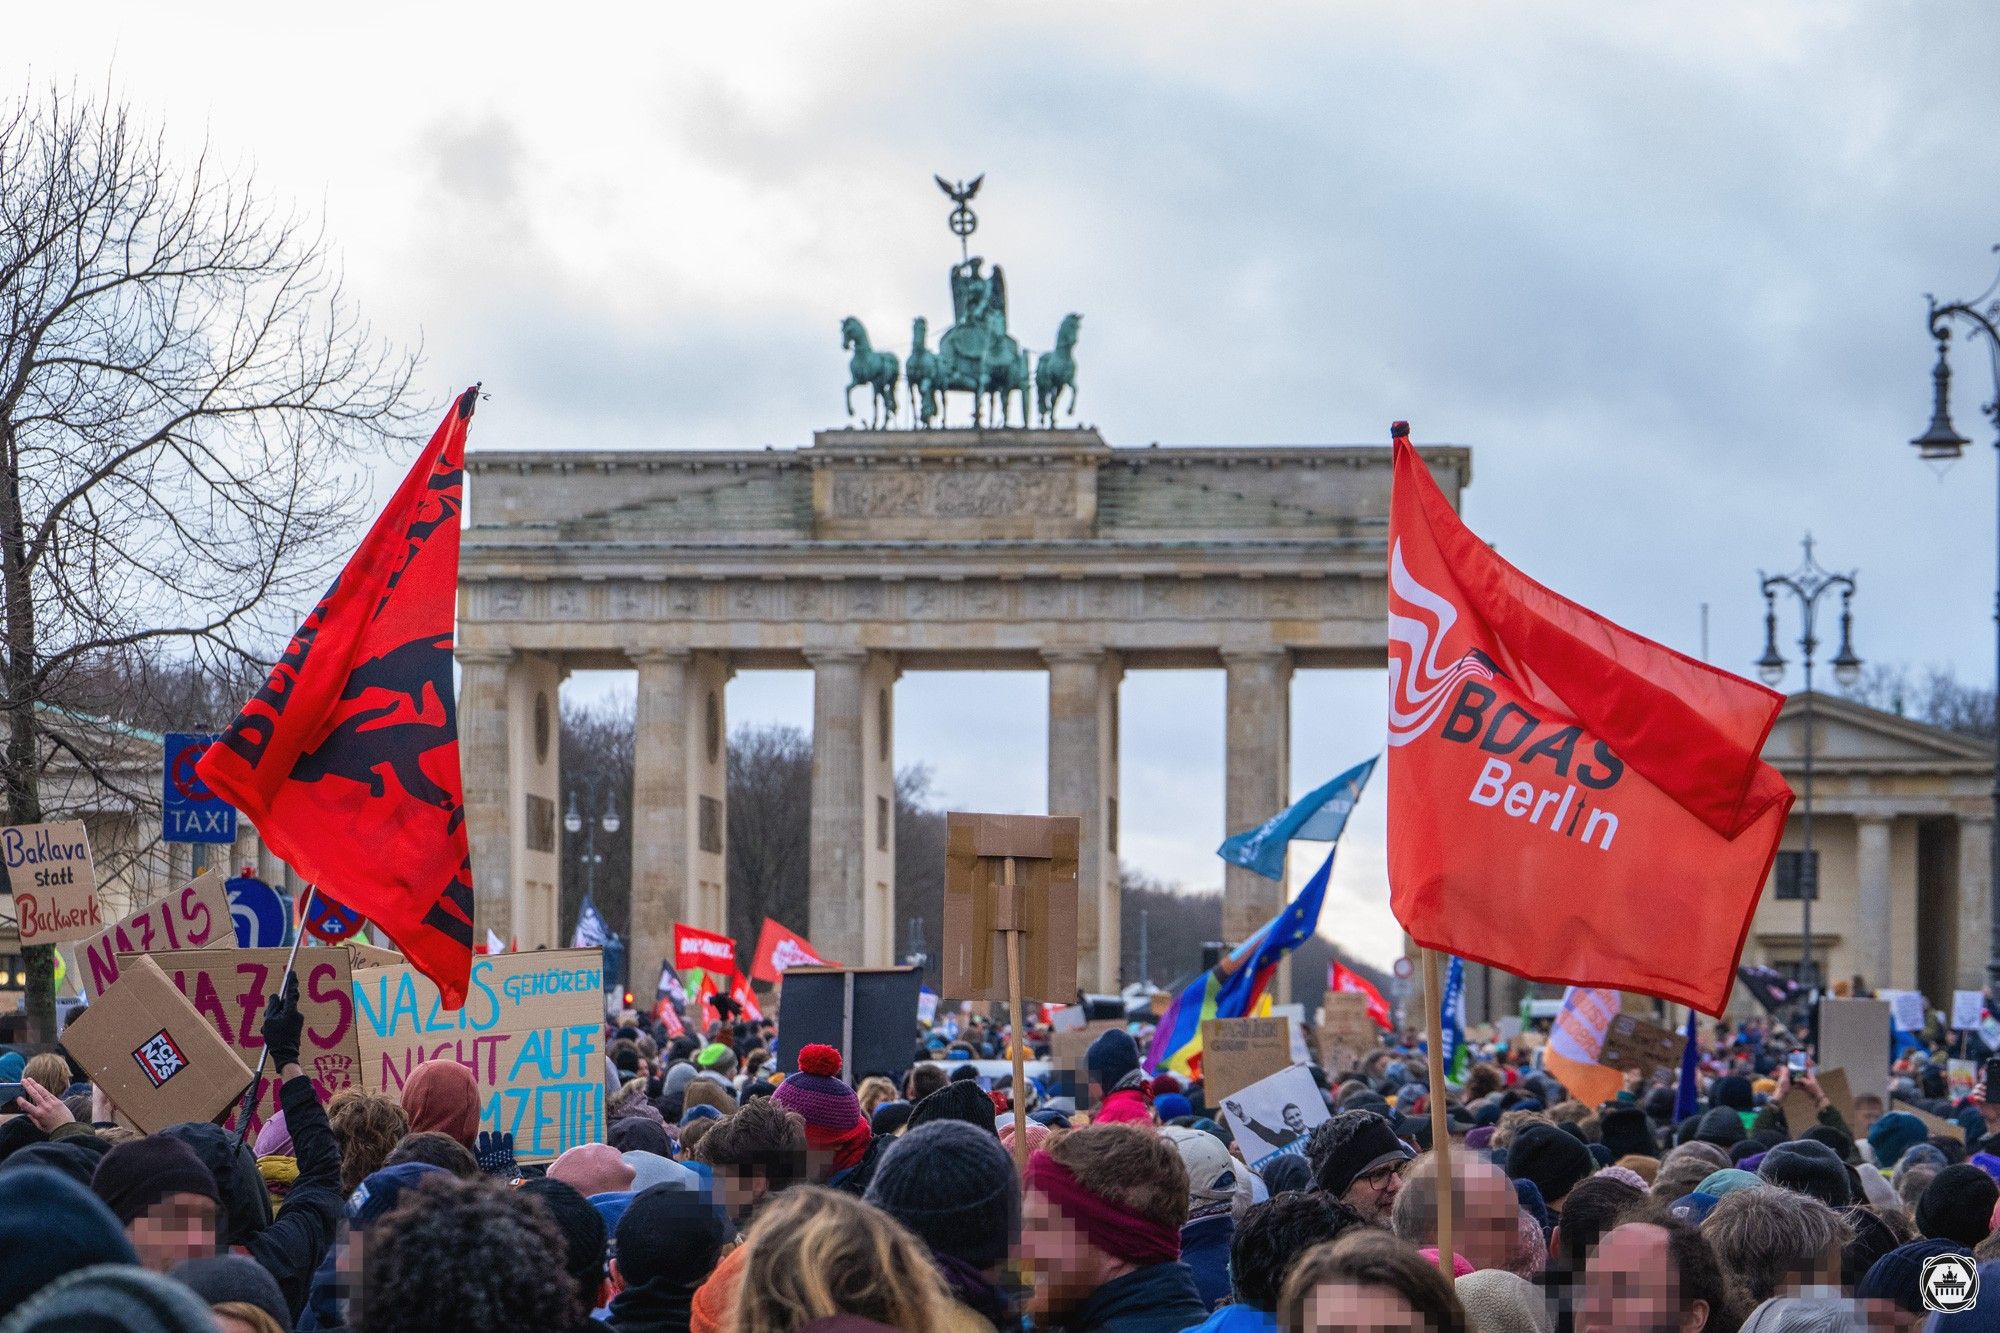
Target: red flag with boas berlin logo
[1568,801]
[347,759]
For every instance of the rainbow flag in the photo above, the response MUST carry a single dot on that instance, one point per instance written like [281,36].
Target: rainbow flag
[1238,986]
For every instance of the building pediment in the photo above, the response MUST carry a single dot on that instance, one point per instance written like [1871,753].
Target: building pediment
[1853,737]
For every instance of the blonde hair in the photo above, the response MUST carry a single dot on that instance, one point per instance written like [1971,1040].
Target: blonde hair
[50,1070]
[814,1253]
[874,1090]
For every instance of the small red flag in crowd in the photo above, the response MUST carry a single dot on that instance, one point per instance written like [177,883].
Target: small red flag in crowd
[347,759]
[1339,977]
[1562,790]
[696,949]
[779,948]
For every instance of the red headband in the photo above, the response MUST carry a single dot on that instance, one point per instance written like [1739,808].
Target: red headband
[1119,1232]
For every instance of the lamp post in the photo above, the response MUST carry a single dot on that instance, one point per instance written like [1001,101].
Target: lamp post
[603,801]
[1940,443]
[1807,584]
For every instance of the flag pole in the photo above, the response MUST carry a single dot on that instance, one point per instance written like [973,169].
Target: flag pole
[264,1056]
[1440,1135]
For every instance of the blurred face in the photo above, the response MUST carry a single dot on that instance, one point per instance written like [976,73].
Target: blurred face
[1374,1194]
[1063,1267]
[1492,1216]
[180,1226]
[740,1191]
[229,1323]
[1630,1286]
[1365,1308]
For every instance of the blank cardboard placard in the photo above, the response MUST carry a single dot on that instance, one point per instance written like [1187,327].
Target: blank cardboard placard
[1236,1052]
[160,1062]
[54,881]
[1044,848]
[1634,1043]
[195,916]
[1935,1125]
[1854,1036]
[1800,1110]
[531,1031]
[230,988]
[1346,1033]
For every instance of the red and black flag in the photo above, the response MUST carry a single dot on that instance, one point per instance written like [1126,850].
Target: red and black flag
[347,759]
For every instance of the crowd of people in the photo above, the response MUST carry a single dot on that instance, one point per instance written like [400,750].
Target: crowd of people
[730,1194]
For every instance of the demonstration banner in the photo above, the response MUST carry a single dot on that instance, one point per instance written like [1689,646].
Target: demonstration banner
[193,917]
[1559,785]
[531,1031]
[1341,978]
[231,987]
[779,948]
[702,950]
[1276,1115]
[54,883]
[1576,1041]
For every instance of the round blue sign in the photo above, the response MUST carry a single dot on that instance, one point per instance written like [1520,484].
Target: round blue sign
[258,911]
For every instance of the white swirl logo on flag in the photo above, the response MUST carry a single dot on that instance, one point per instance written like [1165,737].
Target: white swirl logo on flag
[1419,686]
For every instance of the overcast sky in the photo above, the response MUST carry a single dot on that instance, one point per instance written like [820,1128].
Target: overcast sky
[1661,266]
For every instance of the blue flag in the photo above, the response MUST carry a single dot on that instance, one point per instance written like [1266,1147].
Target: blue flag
[591,932]
[1318,817]
[1457,1056]
[1687,1100]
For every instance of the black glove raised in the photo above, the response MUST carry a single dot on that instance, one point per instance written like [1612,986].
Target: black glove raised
[284,1025]
[496,1154]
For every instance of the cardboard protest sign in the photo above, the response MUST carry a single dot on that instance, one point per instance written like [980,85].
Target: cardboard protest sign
[1967,1008]
[1933,1125]
[1800,1110]
[160,1062]
[1634,1043]
[1346,1033]
[1275,1115]
[54,882]
[1044,852]
[530,1031]
[1236,1052]
[371,955]
[195,916]
[1854,1036]
[1906,1007]
[231,987]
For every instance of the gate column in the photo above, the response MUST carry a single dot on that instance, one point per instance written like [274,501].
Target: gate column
[1257,771]
[1083,781]
[839,790]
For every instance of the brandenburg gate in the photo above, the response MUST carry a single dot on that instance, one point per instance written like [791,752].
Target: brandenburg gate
[873,553]
[878,551]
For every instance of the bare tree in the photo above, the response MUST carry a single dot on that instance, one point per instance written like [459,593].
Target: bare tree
[1932,694]
[770,830]
[596,763]
[184,390]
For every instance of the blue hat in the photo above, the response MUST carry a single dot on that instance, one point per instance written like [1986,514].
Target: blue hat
[1893,1135]
[49,1226]
[379,1192]
[1171,1106]
[1111,1057]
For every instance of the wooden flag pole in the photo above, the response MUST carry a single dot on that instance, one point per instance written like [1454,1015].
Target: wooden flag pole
[1010,926]
[1440,1135]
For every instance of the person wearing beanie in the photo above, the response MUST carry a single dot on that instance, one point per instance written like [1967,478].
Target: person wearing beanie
[442,1097]
[1893,1135]
[1896,1279]
[113,1296]
[163,1196]
[1218,1189]
[718,1057]
[889,1119]
[1551,1158]
[1172,1106]
[593,1168]
[1869,1238]
[954,1187]
[237,1288]
[1957,1205]
[1124,1093]
[1101,1218]
[583,1233]
[956,1101]
[836,1134]
[668,1242]
[1732,1092]
[1625,1132]
[329,1293]
[1358,1160]
[650,1169]
[1807,1166]
[49,1226]
[1720,1126]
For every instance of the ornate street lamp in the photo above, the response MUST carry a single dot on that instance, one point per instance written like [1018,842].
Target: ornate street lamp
[1807,584]
[1941,444]
[602,798]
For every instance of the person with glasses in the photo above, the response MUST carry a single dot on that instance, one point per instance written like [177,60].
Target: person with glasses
[1358,1160]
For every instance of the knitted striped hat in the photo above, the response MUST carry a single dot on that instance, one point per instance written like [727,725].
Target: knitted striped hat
[818,1093]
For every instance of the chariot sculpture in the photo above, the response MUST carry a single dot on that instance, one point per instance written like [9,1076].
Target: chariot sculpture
[976,355]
